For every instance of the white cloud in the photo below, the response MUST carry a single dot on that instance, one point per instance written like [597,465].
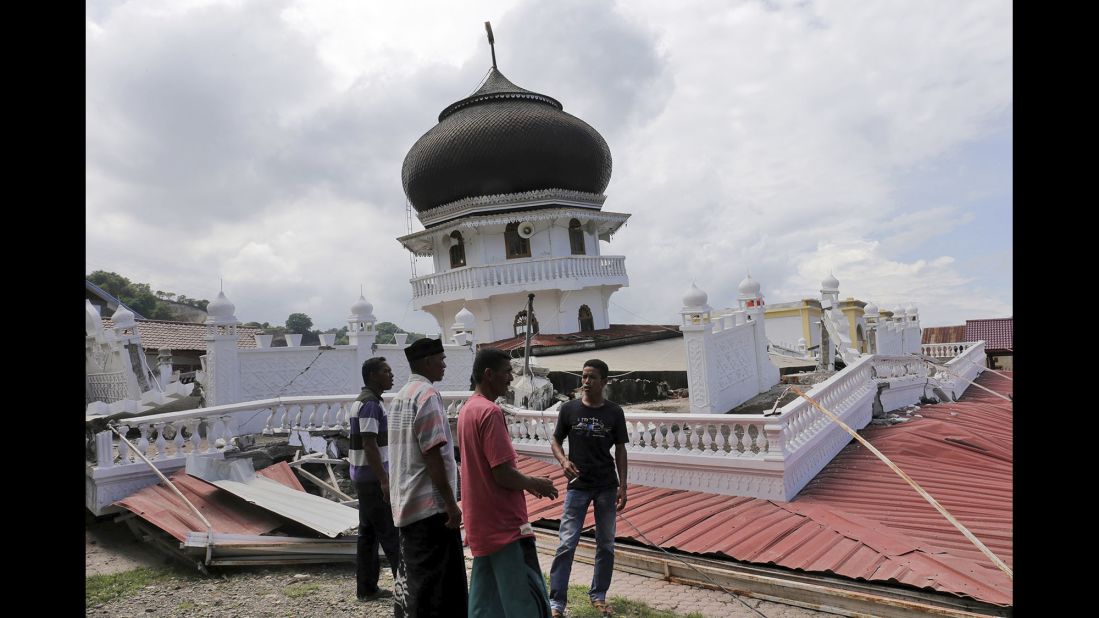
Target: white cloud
[263,142]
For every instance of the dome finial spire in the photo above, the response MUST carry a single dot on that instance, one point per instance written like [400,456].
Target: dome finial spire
[491,42]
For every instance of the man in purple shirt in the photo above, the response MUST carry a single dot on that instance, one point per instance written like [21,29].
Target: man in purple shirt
[369,455]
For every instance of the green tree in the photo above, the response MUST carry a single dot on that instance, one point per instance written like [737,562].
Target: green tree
[387,329]
[137,296]
[299,323]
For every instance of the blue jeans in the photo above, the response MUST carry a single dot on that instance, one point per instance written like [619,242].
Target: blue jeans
[576,508]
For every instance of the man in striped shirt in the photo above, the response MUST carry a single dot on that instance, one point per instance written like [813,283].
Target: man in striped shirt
[431,578]
[369,471]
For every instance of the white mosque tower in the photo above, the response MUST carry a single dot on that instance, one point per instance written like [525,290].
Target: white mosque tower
[509,189]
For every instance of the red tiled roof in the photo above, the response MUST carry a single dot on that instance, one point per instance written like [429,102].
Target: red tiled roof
[226,513]
[857,518]
[944,334]
[177,336]
[617,334]
[997,332]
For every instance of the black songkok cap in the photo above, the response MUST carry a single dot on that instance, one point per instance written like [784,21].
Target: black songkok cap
[422,348]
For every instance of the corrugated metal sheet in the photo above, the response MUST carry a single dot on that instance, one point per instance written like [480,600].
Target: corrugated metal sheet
[857,518]
[237,477]
[944,334]
[161,507]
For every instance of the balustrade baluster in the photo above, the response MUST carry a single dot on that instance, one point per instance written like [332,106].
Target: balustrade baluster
[753,433]
[268,427]
[324,416]
[312,415]
[211,433]
[123,445]
[227,429]
[177,438]
[735,434]
[161,443]
[707,439]
[143,439]
[663,429]
[193,439]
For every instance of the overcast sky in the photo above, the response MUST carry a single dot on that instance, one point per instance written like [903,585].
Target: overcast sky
[261,142]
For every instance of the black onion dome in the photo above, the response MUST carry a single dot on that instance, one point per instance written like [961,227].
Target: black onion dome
[504,139]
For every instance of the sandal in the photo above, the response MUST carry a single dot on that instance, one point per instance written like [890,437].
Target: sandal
[602,607]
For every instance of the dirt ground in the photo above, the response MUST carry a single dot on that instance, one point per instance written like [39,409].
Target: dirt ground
[112,548]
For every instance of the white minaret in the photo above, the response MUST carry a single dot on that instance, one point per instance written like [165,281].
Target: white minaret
[509,188]
[222,362]
[360,329]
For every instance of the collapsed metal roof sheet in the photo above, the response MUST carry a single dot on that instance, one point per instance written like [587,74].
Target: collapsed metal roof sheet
[857,518]
[161,507]
[236,477]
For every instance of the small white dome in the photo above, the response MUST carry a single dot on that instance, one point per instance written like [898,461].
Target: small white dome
[830,284]
[221,307]
[465,319]
[695,297]
[362,307]
[870,310]
[749,287]
[123,317]
[912,310]
[898,311]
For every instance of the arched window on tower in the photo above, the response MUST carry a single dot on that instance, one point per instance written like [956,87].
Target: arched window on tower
[587,323]
[576,237]
[517,246]
[521,324]
[457,250]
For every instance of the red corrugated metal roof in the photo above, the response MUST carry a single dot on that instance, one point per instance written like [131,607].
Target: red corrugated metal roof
[944,334]
[156,334]
[996,332]
[857,518]
[161,507]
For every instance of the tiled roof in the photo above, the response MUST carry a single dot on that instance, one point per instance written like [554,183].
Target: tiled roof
[180,336]
[857,518]
[944,334]
[617,334]
[997,332]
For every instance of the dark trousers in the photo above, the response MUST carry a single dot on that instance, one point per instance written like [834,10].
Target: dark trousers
[375,528]
[431,578]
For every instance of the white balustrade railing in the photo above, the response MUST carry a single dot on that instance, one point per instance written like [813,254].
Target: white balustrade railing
[800,421]
[173,435]
[731,436]
[946,350]
[519,273]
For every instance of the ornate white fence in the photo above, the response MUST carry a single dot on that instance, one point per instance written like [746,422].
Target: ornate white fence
[739,454]
[519,272]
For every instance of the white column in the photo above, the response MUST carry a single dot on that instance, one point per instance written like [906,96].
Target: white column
[222,369]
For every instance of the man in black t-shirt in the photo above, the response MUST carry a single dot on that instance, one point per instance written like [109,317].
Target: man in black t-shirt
[592,425]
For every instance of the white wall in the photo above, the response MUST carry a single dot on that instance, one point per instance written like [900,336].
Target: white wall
[786,330]
[727,367]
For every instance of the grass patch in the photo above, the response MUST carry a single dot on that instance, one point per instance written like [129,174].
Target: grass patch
[185,605]
[104,588]
[580,607]
[295,591]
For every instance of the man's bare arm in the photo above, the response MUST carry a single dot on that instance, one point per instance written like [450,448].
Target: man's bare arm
[571,471]
[508,477]
[620,462]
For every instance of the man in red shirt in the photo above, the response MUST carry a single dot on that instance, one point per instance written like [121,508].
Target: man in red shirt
[506,579]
